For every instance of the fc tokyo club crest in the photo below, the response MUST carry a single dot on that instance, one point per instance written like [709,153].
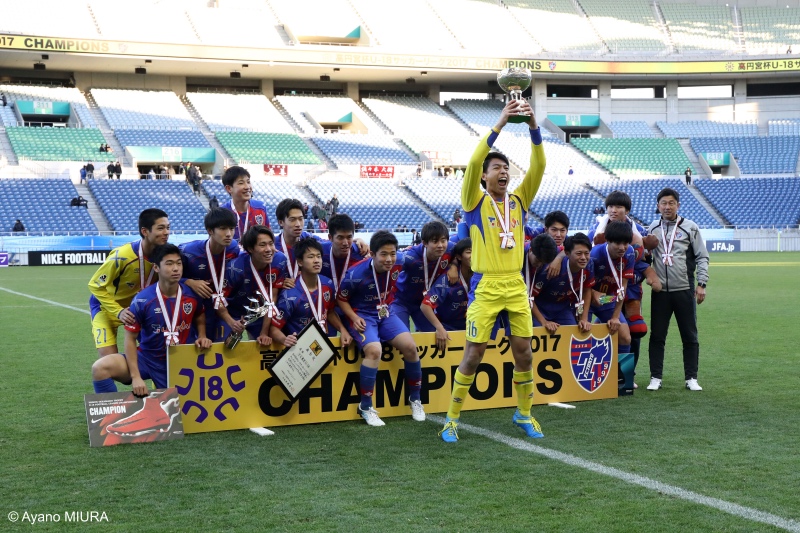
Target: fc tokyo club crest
[590,360]
[395,274]
[326,296]
[187,308]
[260,220]
[512,204]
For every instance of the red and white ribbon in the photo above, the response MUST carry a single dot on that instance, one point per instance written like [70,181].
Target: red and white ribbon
[668,256]
[142,265]
[272,309]
[294,268]
[217,278]
[334,275]
[318,309]
[171,331]
[506,235]
[618,279]
[383,309]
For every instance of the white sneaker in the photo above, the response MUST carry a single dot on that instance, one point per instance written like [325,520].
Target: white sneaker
[371,417]
[655,384]
[417,411]
[692,384]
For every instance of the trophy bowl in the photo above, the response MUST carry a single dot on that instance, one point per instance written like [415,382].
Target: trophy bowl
[514,81]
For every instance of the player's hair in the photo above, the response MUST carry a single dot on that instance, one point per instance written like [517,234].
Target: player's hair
[341,222]
[556,216]
[619,198]
[544,248]
[162,251]
[286,205]
[434,230]
[220,218]
[578,238]
[232,174]
[619,232]
[380,239]
[462,246]
[487,160]
[304,245]
[668,192]
[148,217]
[250,237]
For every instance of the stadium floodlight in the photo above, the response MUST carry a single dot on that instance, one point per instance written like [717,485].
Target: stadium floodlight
[324,77]
[236,74]
[140,70]
[39,66]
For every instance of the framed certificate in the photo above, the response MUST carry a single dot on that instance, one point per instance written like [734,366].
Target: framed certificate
[298,366]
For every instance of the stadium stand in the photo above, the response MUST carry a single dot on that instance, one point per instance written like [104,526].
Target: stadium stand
[699,28]
[271,192]
[643,193]
[268,148]
[481,115]
[631,129]
[366,202]
[238,112]
[754,201]
[626,27]
[334,21]
[636,157]
[122,201]
[686,129]
[51,94]
[784,127]
[162,138]
[58,144]
[415,17]
[755,155]
[470,27]
[559,27]
[447,150]
[48,212]
[769,29]
[135,109]
[160,23]
[345,149]
[63,18]
[7,115]
[328,111]
[406,115]
[256,25]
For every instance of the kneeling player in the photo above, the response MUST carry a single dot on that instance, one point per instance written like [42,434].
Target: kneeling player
[363,298]
[163,315]
[613,267]
[312,298]
[565,299]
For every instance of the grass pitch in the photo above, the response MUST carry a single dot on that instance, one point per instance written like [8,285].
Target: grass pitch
[735,441]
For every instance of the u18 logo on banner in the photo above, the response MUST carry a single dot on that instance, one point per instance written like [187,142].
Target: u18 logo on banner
[590,360]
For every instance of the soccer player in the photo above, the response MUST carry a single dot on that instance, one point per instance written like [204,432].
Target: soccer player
[613,264]
[249,212]
[261,269]
[496,220]
[204,265]
[126,271]
[312,298]
[339,252]
[445,305]
[680,256]
[422,264]
[556,224]
[163,314]
[363,297]
[565,299]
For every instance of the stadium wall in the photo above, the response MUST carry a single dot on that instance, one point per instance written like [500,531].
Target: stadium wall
[117,80]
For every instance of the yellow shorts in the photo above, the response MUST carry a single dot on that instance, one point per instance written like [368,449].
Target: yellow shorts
[104,329]
[493,294]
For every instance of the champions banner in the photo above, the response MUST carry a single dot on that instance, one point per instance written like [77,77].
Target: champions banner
[223,390]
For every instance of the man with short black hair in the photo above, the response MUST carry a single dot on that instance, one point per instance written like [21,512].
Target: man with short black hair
[248,211]
[681,256]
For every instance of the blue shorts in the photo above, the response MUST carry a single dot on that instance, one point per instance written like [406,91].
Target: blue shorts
[152,369]
[560,314]
[633,291]
[605,313]
[381,330]
[403,311]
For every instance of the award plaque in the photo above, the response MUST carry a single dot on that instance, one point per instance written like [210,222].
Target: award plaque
[514,81]
[298,366]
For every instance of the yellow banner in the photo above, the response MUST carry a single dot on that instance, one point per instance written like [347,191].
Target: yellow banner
[223,390]
[375,58]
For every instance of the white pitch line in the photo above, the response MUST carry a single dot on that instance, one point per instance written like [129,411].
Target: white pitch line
[51,302]
[731,508]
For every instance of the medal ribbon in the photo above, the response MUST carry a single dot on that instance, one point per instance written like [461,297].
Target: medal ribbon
[317,312]
[618,279]
[272,309]
[171,332]
[506,235]
[238,220]
[529,283]
[217,278]
[572,287]
[463,281]
[668,255]
[294,268]
[333,269]
[428,281]
[381,303]
[142,264]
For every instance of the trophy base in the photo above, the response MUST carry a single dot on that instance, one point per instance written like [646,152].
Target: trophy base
[232,341]
[519,119]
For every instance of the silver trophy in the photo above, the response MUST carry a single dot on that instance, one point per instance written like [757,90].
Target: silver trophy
[514,81]
[259,308]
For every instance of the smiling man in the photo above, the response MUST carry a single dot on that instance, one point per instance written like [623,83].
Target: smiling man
[249,212]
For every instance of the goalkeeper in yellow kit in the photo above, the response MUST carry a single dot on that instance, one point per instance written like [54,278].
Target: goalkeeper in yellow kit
[496,226]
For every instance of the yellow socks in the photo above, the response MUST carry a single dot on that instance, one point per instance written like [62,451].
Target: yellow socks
[461,385]
[523,384]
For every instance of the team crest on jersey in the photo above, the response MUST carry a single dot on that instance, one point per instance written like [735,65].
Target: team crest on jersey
[395,274]
[444,263]
[512,204]
[187,308]
[590,360]
[259,220]
[271,278]
[326,296]
[679,234]
[102,278]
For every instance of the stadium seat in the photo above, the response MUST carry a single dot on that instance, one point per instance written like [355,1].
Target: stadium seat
[43,205]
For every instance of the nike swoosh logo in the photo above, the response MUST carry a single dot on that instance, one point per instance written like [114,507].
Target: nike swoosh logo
[96,421]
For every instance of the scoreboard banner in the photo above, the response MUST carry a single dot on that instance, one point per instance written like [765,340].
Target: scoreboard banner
[374,58]
[224,390]
[377,171]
